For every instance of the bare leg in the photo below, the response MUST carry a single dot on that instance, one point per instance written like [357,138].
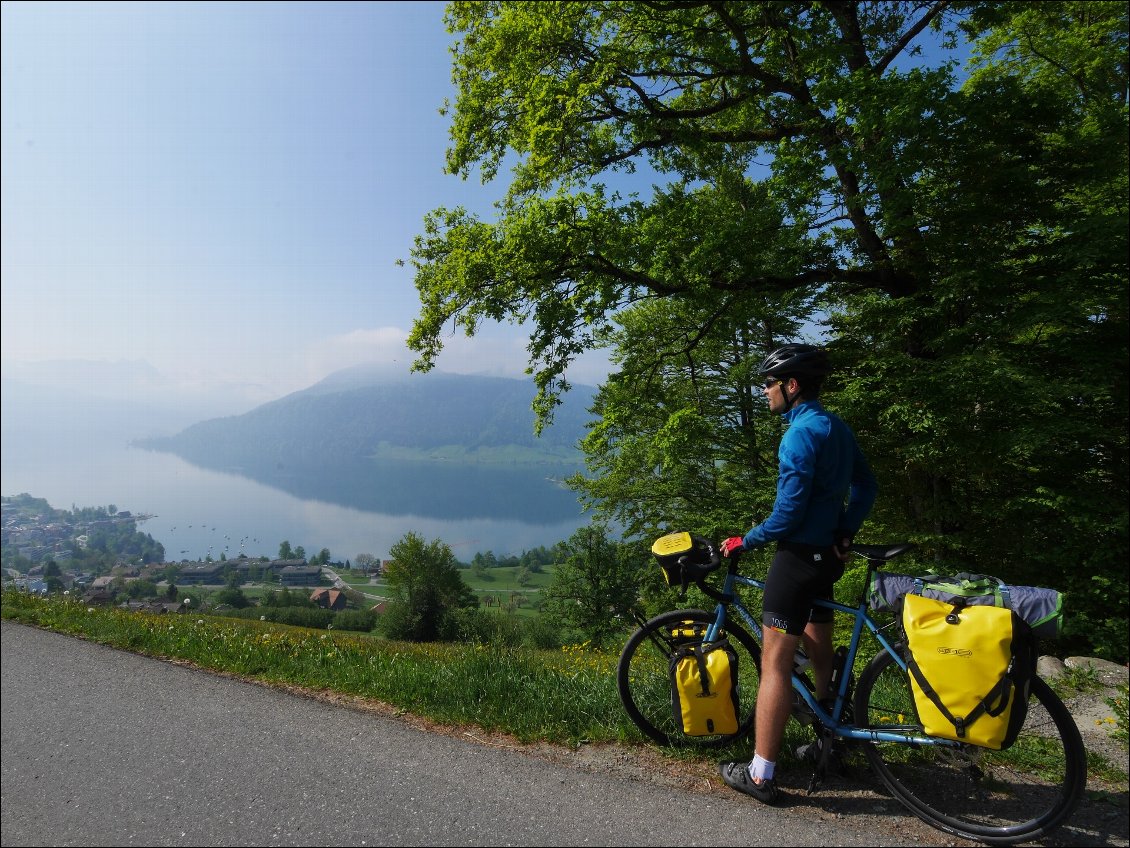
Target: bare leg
[818,644]
[775,693]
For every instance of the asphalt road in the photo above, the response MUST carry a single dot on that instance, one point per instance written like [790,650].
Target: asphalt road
[104,747]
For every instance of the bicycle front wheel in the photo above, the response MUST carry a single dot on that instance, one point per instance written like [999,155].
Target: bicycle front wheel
[995,797]
[644,682]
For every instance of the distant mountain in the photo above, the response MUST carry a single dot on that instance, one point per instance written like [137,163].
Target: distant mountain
[364,413]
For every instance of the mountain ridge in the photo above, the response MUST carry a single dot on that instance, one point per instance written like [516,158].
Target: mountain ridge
[360,413]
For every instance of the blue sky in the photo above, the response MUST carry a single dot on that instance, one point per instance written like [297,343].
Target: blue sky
[222,190]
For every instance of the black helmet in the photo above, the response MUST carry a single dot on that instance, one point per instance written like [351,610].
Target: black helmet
[796,360]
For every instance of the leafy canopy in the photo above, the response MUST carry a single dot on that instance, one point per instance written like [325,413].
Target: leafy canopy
[693,183]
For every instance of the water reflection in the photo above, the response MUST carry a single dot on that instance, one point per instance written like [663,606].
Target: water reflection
[430,488]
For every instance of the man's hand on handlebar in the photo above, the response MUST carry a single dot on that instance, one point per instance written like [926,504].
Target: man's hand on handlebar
[732,545]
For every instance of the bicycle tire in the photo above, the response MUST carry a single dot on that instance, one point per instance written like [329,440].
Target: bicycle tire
[644,683]
[994,797]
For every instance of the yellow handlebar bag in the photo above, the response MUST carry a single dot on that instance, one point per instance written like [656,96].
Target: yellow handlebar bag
[970,670]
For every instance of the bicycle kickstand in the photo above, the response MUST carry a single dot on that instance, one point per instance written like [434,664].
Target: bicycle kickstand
[824,757]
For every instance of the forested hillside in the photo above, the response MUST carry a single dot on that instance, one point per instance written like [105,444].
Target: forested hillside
[358,413]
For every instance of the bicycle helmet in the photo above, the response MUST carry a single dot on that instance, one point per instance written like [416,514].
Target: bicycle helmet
[796,360]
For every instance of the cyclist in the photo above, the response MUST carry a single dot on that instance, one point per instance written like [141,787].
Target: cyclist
[825,489]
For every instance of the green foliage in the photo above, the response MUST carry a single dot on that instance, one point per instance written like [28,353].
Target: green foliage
[595,584]
[284,597]
[142,589]
[314,617]
[678,443]
[492,627]
[360,621]
[426,589]
[1120,705]
[232,597]
[694,182]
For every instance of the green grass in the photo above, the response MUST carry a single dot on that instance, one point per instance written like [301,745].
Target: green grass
[1120,706]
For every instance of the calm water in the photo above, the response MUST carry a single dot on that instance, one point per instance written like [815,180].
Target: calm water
[361,509]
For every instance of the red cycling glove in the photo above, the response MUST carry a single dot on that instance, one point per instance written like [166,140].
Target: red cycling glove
[734,543]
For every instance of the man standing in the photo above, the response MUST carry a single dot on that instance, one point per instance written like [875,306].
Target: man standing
[825,489]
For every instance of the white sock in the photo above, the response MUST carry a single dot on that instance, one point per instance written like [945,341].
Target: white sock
[760,768]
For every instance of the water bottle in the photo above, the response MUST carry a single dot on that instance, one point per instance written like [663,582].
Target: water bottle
[837,670]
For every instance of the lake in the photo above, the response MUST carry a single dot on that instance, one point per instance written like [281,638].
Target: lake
[364,508]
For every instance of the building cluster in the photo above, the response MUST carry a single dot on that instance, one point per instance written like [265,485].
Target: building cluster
[40,538]
[290,572]
[44,540]
[286,572]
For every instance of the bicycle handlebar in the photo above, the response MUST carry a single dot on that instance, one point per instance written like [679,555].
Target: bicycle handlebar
[876,556]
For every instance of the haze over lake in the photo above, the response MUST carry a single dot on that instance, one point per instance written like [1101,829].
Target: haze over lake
[79,453]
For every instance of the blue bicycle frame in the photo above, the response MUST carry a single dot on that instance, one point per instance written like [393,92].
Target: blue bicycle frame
[728,598]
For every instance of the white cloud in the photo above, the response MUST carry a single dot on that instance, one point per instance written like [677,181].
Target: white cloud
[382,345]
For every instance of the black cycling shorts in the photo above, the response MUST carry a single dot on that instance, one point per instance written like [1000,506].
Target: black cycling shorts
[798,574]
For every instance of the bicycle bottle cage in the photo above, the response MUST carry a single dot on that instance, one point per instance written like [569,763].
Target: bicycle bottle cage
[684,558]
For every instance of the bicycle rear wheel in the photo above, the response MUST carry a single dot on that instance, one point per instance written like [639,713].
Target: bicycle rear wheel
[643,676]
[995,797]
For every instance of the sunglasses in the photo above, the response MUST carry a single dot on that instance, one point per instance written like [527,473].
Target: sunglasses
[770,382]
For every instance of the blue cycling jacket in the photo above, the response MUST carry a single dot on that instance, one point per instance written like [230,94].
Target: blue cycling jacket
[824,483]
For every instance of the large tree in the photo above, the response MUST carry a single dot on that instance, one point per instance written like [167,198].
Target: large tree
[963,239]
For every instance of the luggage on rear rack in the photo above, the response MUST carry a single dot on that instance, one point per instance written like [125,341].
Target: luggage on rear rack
[1041,609]
[971,668]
